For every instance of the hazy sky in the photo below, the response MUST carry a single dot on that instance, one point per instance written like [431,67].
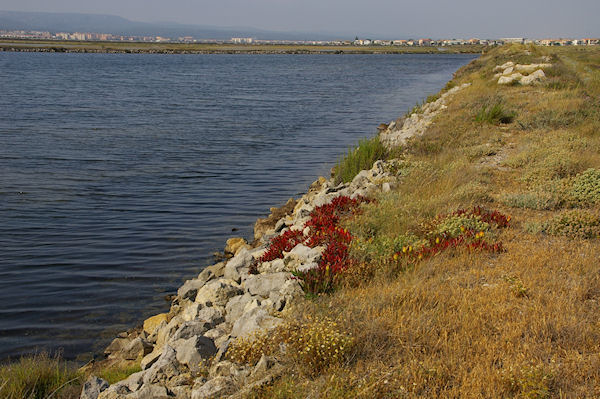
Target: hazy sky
[400,18]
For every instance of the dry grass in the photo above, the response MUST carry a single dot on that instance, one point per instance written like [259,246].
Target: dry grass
[524,323]
[43,376]
[38,377]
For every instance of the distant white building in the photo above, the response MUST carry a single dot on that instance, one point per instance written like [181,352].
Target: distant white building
[242,40]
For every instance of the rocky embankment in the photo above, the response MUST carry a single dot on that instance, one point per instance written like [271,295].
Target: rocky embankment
[399,131]
[183,353]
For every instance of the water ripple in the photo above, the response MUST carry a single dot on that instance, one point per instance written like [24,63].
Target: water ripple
[121,174]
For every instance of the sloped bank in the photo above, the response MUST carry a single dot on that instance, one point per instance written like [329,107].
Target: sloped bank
[183,353]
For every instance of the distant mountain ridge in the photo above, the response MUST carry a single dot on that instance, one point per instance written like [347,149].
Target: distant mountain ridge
[99,23]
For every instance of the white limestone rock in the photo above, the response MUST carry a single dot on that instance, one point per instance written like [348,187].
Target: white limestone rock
[217,292]
[531,67]
[535,77]
[255,319]
[263,284]
[193,351]
[505,80]
[238,265]
[215,388]
[190,329]
[92,387]
[236,305]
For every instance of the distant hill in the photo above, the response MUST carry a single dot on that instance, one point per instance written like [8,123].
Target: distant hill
[74,22]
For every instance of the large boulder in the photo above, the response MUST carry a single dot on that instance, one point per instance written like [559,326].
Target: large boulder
[194,351]
[217,292]
[116,346]
[235,244]
[190,288]
[197,311]
[212,315]
[152,323]
[190,329]
[165,368]
[216,388]
[255,319]
[263,284]
[165,331]
[505,80]
[236,306]
[150,392]
[531,67]
[303,258]
[150,358]
[238,265]
[124,389]
[136,349]
[535,77]
[92,387]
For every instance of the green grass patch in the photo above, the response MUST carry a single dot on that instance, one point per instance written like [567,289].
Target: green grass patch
[37,377]
[117,373]
[359,158]
[495,114]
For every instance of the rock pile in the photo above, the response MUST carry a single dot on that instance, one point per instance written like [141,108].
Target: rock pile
[183,352]
[509,73]
[398,132]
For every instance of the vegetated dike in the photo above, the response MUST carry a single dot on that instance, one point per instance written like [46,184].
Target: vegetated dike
[462,262]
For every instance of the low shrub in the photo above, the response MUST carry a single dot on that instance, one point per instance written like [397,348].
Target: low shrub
[455,225]
[382,246]
[585,189]
[576,223]
[495,114]
[552,119]
[530,382]
[538,200]
[561,77]
[249,349]
[311,345]
[464,228]
[516,286]
[482,150]
[552,156]
[359,158]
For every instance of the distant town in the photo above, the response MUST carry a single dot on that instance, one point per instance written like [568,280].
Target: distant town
[89,36]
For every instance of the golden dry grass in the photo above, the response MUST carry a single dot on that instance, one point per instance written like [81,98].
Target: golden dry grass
[524,323]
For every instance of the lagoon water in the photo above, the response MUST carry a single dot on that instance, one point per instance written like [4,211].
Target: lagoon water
[120,174]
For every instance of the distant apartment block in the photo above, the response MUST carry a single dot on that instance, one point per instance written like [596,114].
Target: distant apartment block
[242,40]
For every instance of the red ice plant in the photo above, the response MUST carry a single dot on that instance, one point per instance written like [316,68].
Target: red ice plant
[283,242]
[323,230]
[468,238]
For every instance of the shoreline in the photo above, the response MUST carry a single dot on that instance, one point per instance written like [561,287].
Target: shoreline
[246,294]
[465,281]
[177,48]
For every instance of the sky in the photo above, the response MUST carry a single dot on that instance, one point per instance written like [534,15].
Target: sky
[383,18]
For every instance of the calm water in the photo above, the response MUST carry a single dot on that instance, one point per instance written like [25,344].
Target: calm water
[120,174]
